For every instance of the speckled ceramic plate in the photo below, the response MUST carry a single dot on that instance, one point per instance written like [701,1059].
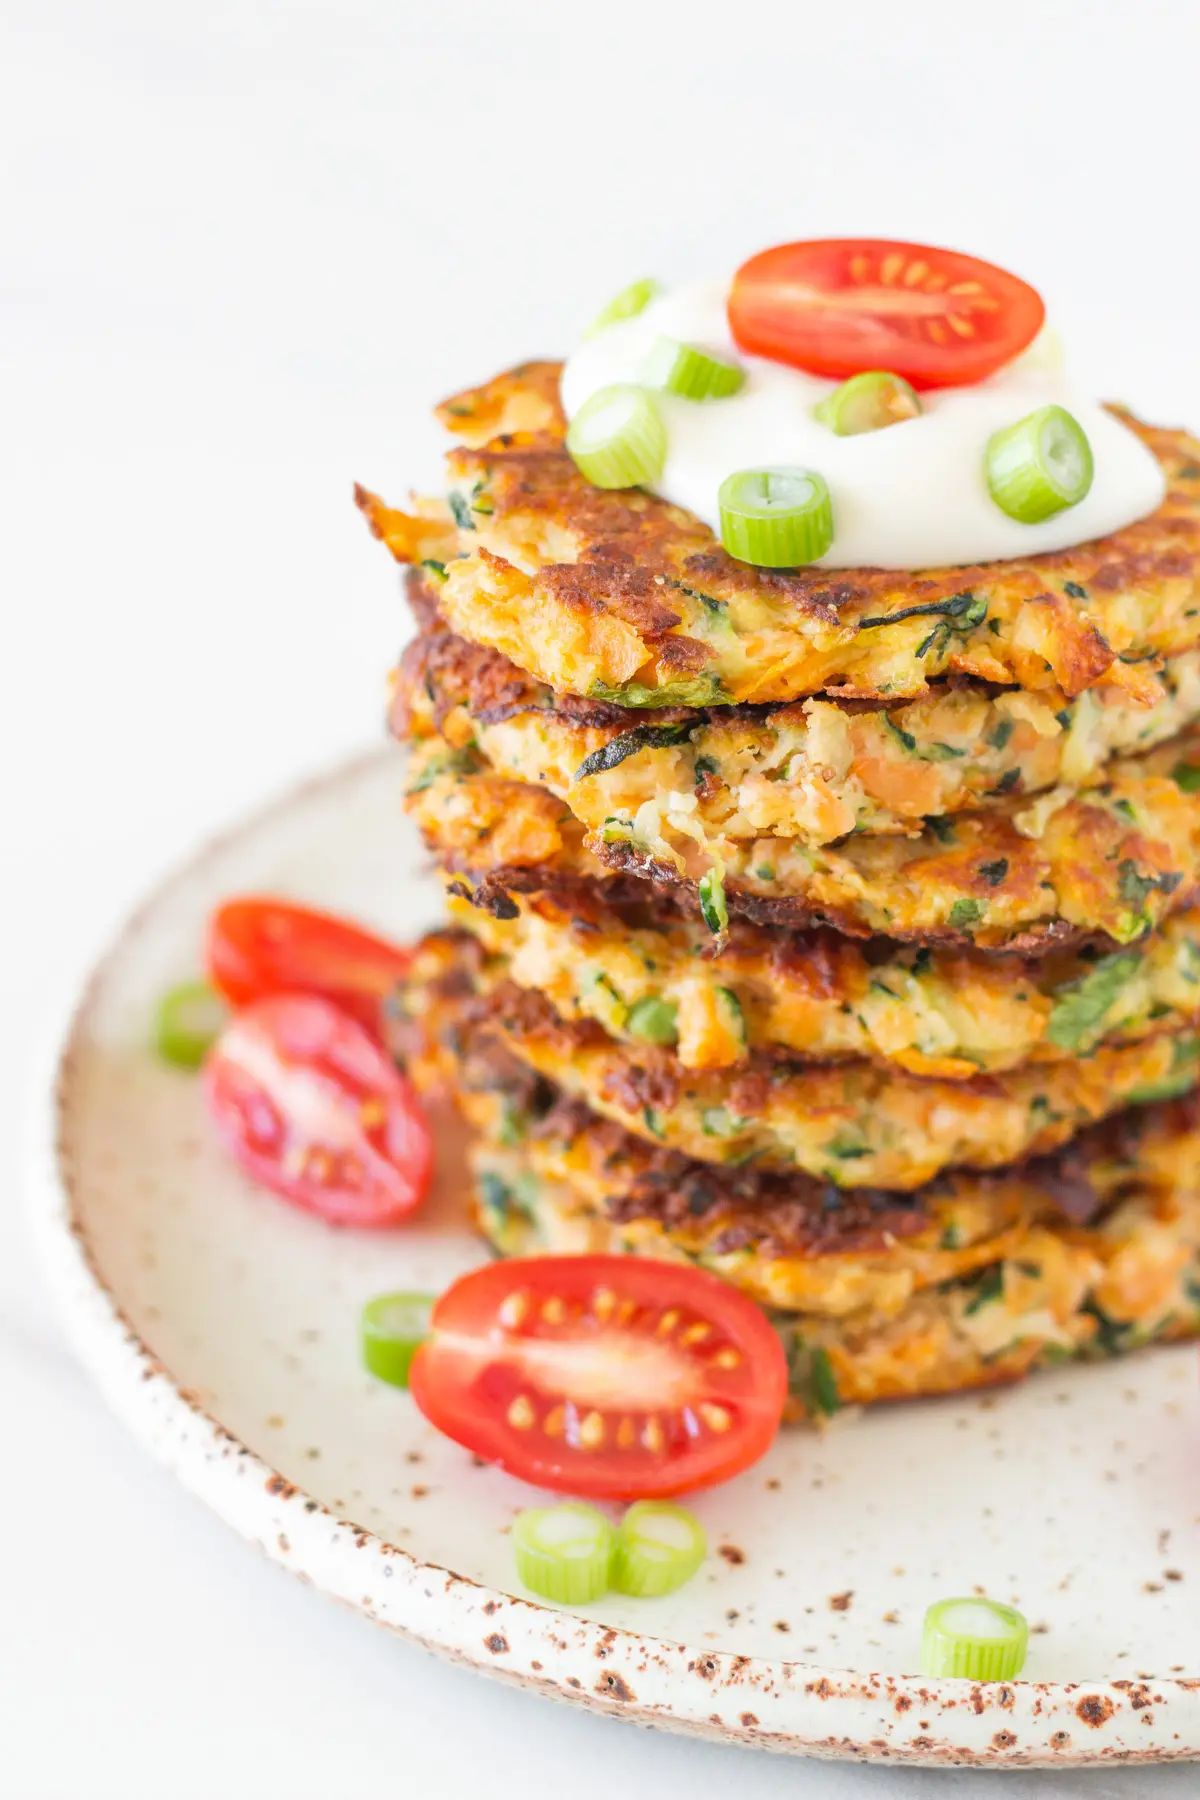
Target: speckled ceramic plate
[222,1326]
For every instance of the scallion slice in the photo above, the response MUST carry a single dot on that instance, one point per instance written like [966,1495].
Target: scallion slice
[626,305]
[564,1553]
[1040,465]
[868,402]
[710,891]
[653,1019]
[187,1022]
[775,518]
[691,372]
[617,438]
[978,1639]
[659,1547]
[393,1326]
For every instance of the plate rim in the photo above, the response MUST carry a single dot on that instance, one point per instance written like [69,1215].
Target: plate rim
[779,1704]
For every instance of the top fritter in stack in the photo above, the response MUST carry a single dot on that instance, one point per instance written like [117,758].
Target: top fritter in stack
[835,928]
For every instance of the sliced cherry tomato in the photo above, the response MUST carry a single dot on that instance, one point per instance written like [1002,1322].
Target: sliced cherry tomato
[611,1376]
[836,306]
[309,1105]
[258,946]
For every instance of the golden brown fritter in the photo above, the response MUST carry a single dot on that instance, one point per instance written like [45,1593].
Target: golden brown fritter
[1033,1296]
[648,972]
[1112,861]
[619,596]
[852,1125]
[814,770]
[973,1279]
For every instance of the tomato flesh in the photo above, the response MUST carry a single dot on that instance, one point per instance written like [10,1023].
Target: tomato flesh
[307,1103]
[258,946]
[837,306]
[616,1377]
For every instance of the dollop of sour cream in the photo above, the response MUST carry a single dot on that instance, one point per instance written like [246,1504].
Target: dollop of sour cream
[909,496]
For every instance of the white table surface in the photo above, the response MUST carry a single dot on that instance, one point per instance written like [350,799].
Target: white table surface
[242,247]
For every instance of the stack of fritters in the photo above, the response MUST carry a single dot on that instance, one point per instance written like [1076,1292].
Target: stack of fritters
[835,929]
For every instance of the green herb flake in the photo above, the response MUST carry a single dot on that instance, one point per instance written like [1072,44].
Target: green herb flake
[989,1287]
[629,743]
[906,737]
[993,872]
[709,602]
[652,1122]
[501,1199]
[811,1378]
[1134,887]
[825,1396]
[1187,776]
[1111,1334]
[963,606]
[966,912]
[1081,1007]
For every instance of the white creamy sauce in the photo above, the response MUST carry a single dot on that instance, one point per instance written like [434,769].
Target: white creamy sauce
[910,496]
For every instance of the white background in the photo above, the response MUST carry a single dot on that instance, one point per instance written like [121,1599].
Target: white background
[242,247]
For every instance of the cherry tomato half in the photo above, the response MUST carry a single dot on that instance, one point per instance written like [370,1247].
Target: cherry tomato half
[258,946]
[837,306]
[610,1376]
[308,1104]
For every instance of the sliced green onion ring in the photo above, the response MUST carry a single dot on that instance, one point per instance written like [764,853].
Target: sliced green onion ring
[564,1553]
[659,1547]
[775,518]
[980,1640]
[626,305]
[691,372]
[868,402]
[617,438]
[393,1326]
[653,1019]
[1039,466]
[187,1022]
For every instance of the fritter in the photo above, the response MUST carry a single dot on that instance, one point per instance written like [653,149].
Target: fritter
[648,972]
[619,596]
[1114,861]
[1041,1302]
[851,1125]
[974,1279]
[814,770]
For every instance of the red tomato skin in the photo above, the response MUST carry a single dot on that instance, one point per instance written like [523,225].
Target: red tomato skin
[285,1068]
[258,945]
[774,312]
[475,1341]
